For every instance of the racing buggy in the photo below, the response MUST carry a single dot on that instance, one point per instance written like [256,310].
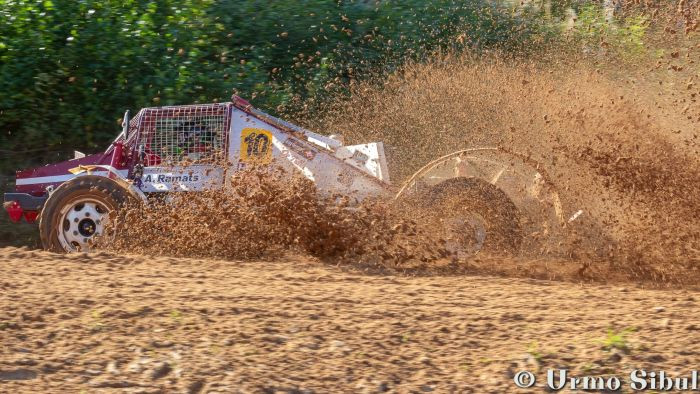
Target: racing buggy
[487,198]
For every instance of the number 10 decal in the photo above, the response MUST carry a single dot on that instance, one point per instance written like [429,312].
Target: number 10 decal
[256,146]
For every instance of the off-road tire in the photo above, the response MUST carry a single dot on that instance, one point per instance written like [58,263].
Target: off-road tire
[107,191]
[504,234]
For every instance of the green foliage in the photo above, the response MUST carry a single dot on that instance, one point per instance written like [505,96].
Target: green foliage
[68,69]
[176,315]
[617,340]
[533,349]
[625,36]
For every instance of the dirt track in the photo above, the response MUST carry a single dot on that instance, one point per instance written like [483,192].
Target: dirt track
[137,324]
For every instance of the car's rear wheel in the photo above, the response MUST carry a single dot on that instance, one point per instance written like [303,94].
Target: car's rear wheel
[80,212]
[476,217]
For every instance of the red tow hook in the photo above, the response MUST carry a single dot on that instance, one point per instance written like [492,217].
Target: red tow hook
[14,210]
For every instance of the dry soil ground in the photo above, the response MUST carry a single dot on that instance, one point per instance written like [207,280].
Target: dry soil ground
[106,323]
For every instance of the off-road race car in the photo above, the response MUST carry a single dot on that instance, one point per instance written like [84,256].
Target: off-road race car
[496,197]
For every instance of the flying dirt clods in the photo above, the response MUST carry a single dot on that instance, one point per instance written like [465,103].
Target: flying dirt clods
[618,136]
[267,211]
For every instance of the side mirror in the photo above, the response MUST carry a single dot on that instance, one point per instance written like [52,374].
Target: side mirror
[125,125]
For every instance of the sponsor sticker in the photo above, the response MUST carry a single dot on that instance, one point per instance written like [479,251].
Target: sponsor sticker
[299,148]
[169,178]
[360,157]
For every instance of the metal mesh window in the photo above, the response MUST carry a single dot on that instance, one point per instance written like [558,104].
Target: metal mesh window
[184,134]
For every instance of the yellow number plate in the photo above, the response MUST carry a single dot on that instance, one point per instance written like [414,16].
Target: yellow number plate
[256,146]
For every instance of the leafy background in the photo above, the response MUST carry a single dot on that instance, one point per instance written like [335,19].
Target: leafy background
[69,69]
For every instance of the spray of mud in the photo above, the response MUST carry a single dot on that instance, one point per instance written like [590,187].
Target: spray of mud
[621,144]
[618,137]
[265,212]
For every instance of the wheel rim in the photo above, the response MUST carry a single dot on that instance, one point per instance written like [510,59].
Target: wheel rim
[465,234]
[80,223]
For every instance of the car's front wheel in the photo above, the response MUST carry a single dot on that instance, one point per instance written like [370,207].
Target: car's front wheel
[81,211]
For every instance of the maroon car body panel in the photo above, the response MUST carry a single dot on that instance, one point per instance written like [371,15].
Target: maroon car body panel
[54,171]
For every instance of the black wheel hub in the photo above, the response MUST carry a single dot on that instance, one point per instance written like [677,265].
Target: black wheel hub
[86,227]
